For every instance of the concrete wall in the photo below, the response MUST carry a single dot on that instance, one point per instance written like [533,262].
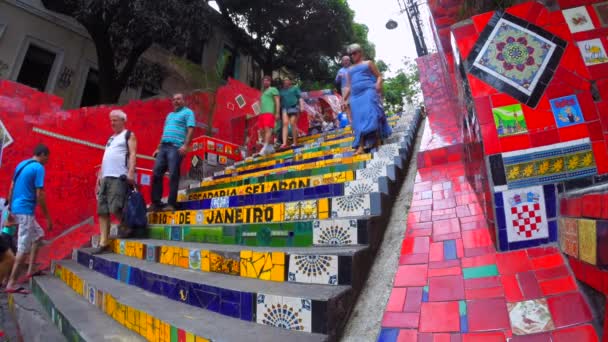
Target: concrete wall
[27,22]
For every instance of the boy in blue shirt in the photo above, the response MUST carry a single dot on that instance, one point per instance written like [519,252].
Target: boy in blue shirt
[27,191]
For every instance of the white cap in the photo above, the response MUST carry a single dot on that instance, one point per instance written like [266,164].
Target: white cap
[119,113]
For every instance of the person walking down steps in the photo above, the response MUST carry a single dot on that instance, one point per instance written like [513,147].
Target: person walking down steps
[116,175]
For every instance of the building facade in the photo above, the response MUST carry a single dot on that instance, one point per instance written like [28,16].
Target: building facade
[54,53]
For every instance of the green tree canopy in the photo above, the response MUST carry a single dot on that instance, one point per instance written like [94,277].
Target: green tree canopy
[404,86]
[123,30]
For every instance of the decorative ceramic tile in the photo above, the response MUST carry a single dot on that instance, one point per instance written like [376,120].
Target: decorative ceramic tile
[593,51]
[308,210]
[374,168]
[335,232]
[387,151]
[220,202]
[587,241]
[568,236]
[314,269]
[194,260]
[273,311]
[509,120]
[151,253]
[360,187]
[224,262]
[303,307]
[530,316]
[262,265]
[578,19]
[350,206]
[525,214]
[516,57]
[567,111]
[549,164]
[91,294]
[292,211]
[601,10]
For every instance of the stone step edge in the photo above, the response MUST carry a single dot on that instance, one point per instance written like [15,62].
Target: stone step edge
[189,321]
[56,302]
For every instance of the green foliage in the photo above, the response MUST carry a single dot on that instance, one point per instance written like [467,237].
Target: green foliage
[404,85]
[360,32]
[382,66]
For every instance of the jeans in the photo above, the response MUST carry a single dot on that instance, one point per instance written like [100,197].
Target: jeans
[168,158]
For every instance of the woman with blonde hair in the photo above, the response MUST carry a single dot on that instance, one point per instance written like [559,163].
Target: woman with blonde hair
[364,95]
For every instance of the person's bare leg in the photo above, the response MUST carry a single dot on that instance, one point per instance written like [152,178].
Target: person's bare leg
[104,230]
[33,253]
[294,130]
[285,128]
[361,148]
[15,270]
[268,136]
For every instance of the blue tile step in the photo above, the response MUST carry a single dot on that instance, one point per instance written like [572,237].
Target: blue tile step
[180,316]
[309,265]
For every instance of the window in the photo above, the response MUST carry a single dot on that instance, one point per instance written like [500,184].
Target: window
[228,59]
[36,67]
[90,95]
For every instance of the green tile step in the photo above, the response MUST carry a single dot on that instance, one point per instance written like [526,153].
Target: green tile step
[183,317]
[76,318]
[334,232]
[334,265]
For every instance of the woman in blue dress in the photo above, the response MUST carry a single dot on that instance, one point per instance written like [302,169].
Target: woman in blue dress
[364,94]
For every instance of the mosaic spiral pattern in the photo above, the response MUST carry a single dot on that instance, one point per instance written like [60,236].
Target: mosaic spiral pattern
[350,203]
[313,265]
[335,235]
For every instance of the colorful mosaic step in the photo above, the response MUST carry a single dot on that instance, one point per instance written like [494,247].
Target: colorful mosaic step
[358,187]
[158,318]
[337,232]
[301,164]
[306,166]
[65,309]
[357,206]
[320,265]
[309,148]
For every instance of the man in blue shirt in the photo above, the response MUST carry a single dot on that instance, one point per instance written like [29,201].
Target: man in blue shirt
[174,144]
[342,82]
[27,190]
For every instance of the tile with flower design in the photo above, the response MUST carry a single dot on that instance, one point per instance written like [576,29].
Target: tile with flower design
[313,269]
[549,164]
[335,232]
[530,316]
[516,57]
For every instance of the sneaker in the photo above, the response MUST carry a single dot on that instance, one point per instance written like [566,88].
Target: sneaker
[269,150]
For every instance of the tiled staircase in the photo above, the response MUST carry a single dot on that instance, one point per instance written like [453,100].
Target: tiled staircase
[272,249]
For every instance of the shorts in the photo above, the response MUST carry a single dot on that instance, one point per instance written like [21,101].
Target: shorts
[291,111]
[29,232]
[111,197]
[266,120]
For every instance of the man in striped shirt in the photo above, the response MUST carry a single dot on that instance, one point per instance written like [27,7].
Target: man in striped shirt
[174,144]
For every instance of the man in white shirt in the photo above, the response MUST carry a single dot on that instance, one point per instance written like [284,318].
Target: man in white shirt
[116,173]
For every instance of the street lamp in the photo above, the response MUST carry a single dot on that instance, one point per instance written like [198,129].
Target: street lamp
[413,14]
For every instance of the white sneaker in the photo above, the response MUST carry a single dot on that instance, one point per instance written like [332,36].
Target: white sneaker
[269,149]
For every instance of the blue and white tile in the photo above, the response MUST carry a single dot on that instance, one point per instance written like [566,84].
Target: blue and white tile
[360,187]
[387,151]
[313,269]
[374,168]
[334,232]
[220,202]
[301,310]
[350,206]
[194,259]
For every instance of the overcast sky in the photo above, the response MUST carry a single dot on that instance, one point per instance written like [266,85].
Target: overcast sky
[391,45]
